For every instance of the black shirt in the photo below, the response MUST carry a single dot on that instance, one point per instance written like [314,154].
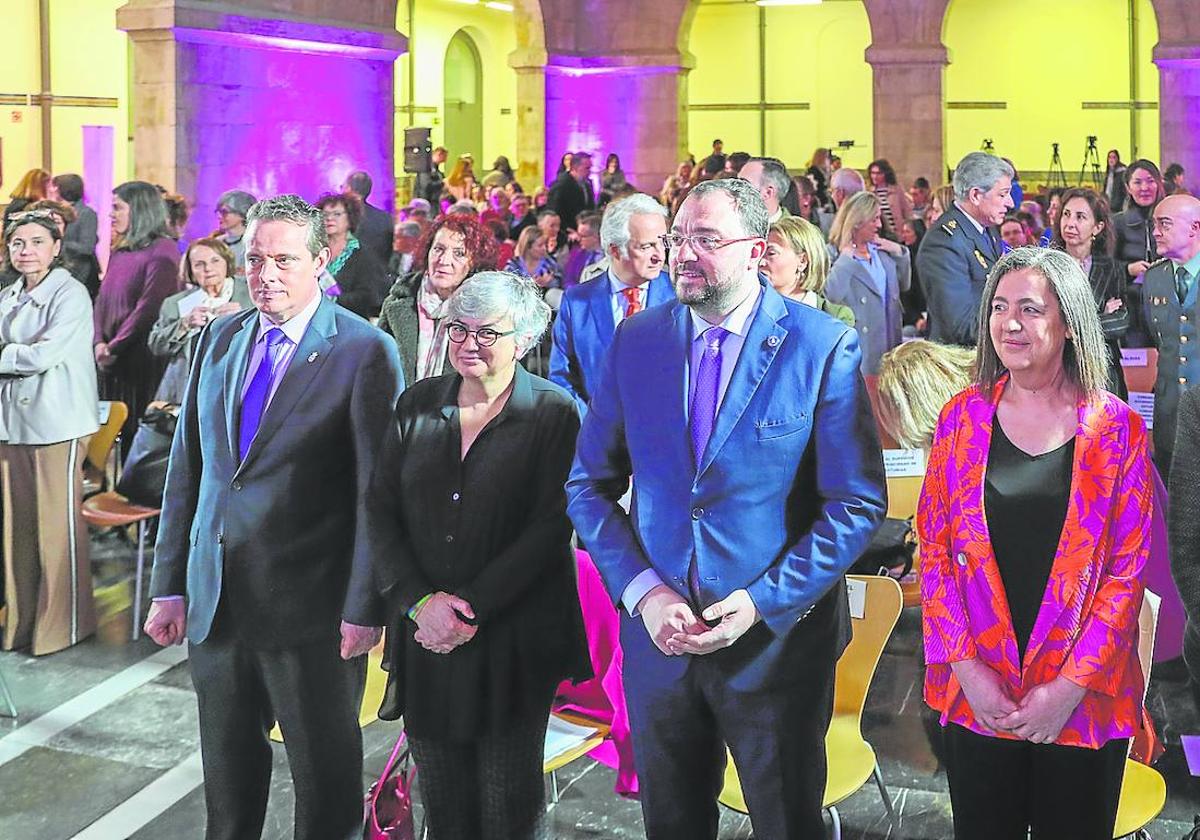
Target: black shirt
[492,529]
[1025,501]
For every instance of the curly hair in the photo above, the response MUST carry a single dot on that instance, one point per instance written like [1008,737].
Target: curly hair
[351,203]
[477,239]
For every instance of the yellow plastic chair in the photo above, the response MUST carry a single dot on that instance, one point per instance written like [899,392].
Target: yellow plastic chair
[851,760]
[95,467]
[551,764]
[1143,790]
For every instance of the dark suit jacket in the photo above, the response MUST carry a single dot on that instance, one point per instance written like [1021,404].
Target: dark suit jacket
[569,198]
[364,282]
[583,330]
[786,497]
[953,263]
[283,540]
[374,231]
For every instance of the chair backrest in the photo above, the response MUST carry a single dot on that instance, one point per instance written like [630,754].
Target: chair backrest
[885,439]
[903,493]
[856,668]
[1142,378]
[1147,626]
[102,442]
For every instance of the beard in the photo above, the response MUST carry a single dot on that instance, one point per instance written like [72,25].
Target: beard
[705,292]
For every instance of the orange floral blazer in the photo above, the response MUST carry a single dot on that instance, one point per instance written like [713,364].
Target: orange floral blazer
[1087,627]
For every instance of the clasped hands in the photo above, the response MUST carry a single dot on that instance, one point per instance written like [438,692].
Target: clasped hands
[439,626]
[675,629]
[1038,717]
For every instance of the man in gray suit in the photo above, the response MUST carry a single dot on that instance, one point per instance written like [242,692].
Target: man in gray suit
[265,548]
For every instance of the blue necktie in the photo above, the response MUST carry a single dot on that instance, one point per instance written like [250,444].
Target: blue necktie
[254,403]
[701,418]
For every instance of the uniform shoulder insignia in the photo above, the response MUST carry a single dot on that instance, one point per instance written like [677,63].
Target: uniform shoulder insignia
[1157,263]
[950,227]
[982,261]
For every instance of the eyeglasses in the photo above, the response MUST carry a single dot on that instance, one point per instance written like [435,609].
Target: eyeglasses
[702,244]
[484,336]
[333,214]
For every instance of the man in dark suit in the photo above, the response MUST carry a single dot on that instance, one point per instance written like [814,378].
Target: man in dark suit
[630,236]
[759,481]
[265,548]
[571,193]
[428,185]
[375,228]
[960,249]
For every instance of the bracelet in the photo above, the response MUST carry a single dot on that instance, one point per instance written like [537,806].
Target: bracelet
[416,608]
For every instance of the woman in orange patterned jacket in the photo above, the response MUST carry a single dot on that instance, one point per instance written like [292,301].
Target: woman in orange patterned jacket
[1033,522]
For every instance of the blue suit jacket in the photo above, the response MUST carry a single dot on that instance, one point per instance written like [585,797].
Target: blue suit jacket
[786,497]
[583,330]
[283,539]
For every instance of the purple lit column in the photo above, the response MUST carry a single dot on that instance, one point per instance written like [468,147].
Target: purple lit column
[258,102]
[617,104]
[1179,107]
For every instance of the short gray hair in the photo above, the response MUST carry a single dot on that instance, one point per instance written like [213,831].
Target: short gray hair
[774,173]
[1085,355]
[294,209]
[494,294]
[749,205]
[614,227]
[978,170]
[847,180]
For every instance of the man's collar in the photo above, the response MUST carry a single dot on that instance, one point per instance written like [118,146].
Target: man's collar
[615,284]
[1192,265]
[970,218]
[293,327]
[737,321]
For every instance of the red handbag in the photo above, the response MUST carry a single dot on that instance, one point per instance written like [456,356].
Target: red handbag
[388,804]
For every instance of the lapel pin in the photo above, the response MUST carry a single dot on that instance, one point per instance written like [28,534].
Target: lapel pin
[312,357]
[772,341]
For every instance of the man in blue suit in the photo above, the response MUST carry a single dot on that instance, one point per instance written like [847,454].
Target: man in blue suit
[265,549]
[759,481]
[630,236]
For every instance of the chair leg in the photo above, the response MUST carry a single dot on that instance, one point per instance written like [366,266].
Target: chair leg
[9,708]
[553,787]
[883,792]
[137,582]
[835,820]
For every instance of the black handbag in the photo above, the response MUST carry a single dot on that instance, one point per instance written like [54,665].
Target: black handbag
[145,474]
[890,551]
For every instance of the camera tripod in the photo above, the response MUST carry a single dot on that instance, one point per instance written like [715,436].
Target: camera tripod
[1091,157]
[1056,177]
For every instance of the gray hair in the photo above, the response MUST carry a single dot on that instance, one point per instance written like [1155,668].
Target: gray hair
[614,227]
[847,180]
[408,229]
[294,209]
[749,205]
[494,294]
[1085,356]
[775,174]
[980,171]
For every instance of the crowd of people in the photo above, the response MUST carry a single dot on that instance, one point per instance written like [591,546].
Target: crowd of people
[407,423]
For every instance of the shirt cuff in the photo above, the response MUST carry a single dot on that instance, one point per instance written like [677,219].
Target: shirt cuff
[637,589]
[167,598]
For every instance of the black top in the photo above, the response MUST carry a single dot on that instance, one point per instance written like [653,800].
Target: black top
[364,283]
[1025,501]
[492,529]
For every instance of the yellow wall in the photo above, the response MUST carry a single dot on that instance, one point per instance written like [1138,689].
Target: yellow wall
[494,35]
[1044,60]
[89,57]
[814,54]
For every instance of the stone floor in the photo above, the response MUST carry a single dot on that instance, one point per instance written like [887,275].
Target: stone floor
[106,737]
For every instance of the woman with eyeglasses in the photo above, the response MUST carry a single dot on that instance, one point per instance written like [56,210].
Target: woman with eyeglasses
[479,570]
[414,313]
[48,410]
[356,278]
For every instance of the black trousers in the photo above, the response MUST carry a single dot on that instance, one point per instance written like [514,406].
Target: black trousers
[1010,790]
[1191,658]
[776,736]
[315,695]
[490,789]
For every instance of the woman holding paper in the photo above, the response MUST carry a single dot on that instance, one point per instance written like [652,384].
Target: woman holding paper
[1033,521]
[209,267]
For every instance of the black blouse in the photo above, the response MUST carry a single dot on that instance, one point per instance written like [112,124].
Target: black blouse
[492,529]
[1025,501]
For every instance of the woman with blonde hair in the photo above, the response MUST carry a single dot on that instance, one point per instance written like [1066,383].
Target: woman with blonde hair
[916,380]
[461,179]
[797,264]
[941,200]
[868,275]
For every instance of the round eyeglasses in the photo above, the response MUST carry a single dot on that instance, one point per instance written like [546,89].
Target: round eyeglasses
[484,336]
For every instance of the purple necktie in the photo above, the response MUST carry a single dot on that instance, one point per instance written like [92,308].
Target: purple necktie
[701,418]
[254,402]
[704,396]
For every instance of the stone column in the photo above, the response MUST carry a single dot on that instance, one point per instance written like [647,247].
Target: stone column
[909,129]
[530,163]
[1179,107]
[259,100]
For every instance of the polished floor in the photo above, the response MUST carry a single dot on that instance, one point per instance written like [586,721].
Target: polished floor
[105,746]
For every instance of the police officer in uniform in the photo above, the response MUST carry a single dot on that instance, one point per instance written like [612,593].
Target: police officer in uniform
[1169,293]
[960,249]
